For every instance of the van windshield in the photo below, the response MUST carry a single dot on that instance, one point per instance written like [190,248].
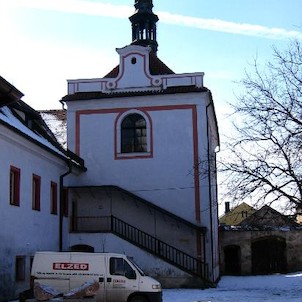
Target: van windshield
[137,267]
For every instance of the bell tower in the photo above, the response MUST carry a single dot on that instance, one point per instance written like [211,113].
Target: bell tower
[144,25]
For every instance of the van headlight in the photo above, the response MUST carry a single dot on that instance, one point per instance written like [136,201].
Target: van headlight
[156,286]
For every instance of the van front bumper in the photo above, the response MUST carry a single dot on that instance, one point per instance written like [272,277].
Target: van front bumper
[155,297]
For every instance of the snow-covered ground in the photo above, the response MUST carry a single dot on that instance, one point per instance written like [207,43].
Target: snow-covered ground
[275,288]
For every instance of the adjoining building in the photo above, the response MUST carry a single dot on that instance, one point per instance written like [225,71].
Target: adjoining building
[33,206]
[260,241]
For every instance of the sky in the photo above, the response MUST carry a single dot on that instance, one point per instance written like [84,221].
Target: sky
[46,42]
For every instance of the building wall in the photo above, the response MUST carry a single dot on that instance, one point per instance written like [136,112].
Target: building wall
[244,239]
[209,210]
[166,178]
[168,275]
[102,203]
[179,129]
[23,230]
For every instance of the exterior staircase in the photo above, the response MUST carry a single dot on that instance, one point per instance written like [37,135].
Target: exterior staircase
[147,242]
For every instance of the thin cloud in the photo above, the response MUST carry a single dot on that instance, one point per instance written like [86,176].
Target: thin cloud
[123,11]
[229,27]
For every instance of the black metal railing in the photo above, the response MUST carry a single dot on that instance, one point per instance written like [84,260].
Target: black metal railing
[143,240]
[159,248]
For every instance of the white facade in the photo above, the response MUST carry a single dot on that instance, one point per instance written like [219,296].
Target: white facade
[25,226]
[172,173]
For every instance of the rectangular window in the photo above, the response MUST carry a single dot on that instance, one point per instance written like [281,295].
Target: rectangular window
[120,267]
[117,266]
[36,192]
[14,186]
[65,202]
[53,198]
[20,268]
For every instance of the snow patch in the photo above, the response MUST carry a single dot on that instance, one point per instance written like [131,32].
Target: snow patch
[273,288]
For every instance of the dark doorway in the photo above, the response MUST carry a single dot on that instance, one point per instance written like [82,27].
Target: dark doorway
[82,248]
[232,261]
[268,256]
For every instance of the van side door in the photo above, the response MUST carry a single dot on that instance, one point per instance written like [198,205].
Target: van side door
[122,279]
[88,269]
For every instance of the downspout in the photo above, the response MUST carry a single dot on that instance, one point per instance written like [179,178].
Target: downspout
[210,193]
[61,205]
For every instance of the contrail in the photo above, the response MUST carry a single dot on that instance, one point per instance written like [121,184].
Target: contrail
[123,11]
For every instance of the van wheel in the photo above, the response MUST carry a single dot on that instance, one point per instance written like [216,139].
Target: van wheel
[138,298]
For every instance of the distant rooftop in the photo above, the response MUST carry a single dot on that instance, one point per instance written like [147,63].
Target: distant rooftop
[56,121]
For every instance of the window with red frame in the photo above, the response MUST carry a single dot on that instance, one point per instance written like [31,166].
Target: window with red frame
[53,198]
[65,202]
[36,192]
[14,186]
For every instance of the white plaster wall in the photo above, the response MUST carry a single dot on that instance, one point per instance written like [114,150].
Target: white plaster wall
[166,179]
[97,202]
[23,231]
[167,274]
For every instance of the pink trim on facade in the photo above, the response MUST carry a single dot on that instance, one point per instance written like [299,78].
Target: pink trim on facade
[145,110]
[77,126]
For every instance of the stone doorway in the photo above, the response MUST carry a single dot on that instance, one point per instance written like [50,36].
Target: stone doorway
[232,260]
[269,256]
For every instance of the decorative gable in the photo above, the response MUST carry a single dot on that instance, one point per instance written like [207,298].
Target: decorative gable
[139,70]
[134,69]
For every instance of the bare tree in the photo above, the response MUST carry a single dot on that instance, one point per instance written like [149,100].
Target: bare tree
[264,161]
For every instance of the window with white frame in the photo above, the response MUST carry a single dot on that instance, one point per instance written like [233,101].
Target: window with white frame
[133,135]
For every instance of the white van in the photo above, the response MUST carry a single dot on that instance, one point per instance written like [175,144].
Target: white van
[119,278]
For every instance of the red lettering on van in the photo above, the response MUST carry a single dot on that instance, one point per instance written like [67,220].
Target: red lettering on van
[70,266]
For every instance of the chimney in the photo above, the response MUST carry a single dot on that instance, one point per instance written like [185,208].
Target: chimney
[227,207]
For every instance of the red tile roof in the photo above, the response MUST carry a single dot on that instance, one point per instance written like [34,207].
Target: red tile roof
[60,114]
[101,95]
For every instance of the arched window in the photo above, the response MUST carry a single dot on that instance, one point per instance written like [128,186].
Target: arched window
[133,134]
[82,248]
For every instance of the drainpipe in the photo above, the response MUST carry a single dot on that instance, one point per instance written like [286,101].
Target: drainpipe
[210,192]
[61,205]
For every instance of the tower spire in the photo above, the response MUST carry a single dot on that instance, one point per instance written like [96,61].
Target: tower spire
[144,25]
